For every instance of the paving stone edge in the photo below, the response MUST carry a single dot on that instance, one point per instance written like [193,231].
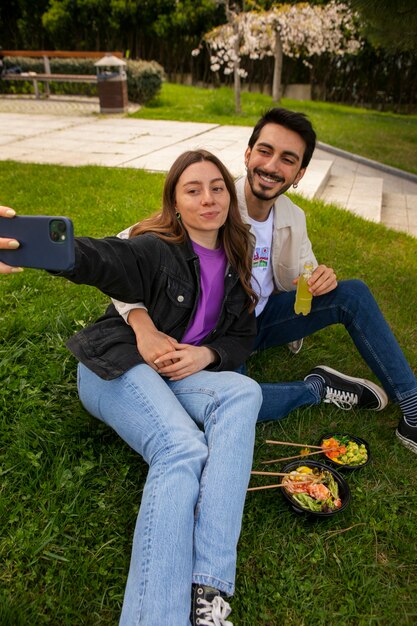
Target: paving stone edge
[388,169]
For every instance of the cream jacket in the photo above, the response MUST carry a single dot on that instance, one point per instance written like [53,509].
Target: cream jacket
[291,247]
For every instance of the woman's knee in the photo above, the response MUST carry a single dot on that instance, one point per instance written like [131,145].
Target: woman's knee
[252,390]
[242,392]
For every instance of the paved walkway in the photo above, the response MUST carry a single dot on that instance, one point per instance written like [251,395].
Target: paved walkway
[70,131]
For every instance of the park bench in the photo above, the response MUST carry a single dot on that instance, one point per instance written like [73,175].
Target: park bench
[48,76]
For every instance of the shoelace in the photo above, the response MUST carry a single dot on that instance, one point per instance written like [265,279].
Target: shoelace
[342,399]
[213,613]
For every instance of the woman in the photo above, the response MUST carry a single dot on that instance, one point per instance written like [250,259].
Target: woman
[190,265]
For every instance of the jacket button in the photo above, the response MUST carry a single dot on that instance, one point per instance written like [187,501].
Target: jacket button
[180,298]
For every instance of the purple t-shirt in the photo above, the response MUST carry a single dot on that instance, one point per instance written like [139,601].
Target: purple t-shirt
[212,268]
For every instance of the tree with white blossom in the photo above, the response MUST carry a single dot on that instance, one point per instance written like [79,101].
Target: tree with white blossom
[299,30]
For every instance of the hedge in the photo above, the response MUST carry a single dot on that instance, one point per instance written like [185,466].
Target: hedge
[144,78]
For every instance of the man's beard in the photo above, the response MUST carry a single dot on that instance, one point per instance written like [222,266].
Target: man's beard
[264,195]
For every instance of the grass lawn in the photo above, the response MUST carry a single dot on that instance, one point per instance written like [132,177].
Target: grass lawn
[70,488]
[384,137]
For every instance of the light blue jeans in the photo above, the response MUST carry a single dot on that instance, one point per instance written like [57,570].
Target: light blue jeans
[351,304]
[197,435]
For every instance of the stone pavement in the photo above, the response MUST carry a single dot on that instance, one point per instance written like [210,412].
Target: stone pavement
[70,131]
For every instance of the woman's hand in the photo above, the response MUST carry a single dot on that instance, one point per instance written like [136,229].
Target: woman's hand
[186,360]
[7,243]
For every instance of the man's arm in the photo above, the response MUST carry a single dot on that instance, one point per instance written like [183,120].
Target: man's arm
[323,278]
[152,343]
[124,308]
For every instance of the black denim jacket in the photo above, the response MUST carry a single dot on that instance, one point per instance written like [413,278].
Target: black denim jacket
[166,278]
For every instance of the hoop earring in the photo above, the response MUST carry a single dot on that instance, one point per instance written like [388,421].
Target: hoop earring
[295,185]
[178,215]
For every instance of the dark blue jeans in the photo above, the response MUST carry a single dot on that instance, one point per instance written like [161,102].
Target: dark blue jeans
[351,304]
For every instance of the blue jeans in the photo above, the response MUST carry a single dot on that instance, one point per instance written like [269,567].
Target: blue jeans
[197,435]
[351,304]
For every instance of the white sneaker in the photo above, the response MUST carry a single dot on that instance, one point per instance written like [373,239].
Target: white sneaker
[295,346]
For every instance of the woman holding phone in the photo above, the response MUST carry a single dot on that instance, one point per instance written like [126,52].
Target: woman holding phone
[191,417]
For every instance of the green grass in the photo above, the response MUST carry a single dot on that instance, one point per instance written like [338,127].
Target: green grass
[384,137]
[70,488]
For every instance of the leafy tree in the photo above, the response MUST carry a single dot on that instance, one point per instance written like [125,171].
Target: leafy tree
[389,24]
[21,24]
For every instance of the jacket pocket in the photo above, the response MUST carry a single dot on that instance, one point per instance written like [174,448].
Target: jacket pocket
[179,293]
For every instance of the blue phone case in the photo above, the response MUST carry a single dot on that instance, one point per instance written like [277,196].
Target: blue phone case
[46,242]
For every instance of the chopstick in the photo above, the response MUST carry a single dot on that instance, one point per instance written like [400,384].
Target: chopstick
[299,456]
[265,487]
[271,473]
[288,443]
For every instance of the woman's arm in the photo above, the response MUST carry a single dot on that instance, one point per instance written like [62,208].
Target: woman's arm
[122,269]
[8,244]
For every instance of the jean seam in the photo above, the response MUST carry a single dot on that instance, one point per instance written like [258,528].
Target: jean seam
[149,514]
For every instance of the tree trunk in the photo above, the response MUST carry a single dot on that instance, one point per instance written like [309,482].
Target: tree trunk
[276,83]
[236,67]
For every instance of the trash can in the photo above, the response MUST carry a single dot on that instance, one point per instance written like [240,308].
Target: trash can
[112,84]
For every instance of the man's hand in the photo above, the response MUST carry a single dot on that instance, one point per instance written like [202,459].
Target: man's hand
[322,280]
[7,243]
[186,360]
[151,342]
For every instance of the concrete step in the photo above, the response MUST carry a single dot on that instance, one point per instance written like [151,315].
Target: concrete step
[399,211]
[361,195]
[315,179]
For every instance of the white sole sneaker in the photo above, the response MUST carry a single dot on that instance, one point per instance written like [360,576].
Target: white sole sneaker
[347,391]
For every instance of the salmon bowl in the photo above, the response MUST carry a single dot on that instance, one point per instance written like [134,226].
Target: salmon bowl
[314,488]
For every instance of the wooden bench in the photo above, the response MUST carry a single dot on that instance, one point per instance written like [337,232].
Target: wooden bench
[48,76]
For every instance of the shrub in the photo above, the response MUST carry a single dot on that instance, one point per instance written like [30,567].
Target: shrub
[144,80]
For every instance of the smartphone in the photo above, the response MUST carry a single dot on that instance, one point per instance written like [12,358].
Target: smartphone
[46,242]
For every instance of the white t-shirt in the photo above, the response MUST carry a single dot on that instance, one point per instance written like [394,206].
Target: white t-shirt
[262,275]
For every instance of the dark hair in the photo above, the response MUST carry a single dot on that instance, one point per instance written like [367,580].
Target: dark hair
[298,122]
[234,235]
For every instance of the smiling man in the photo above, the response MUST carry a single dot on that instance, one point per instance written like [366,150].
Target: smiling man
[279,151]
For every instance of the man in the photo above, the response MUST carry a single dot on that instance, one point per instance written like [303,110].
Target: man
[279,151]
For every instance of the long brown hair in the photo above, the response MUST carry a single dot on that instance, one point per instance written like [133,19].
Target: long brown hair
[234,234]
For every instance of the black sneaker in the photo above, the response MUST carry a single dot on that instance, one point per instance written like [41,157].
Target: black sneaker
[407,435]
[209,608]
[347,392]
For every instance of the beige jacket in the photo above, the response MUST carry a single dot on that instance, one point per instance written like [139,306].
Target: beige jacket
[291,247]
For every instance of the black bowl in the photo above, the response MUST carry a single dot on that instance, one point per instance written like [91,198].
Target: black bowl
[346,466]
[344,491]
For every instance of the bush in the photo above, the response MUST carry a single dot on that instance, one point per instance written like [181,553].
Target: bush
[144,78]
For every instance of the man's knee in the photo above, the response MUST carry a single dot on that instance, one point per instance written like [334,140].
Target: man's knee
[352,295]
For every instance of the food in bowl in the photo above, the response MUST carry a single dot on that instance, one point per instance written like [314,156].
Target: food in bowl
[345,450]
[314,488]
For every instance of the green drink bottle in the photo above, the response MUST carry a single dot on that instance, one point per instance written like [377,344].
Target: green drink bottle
[303,296]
